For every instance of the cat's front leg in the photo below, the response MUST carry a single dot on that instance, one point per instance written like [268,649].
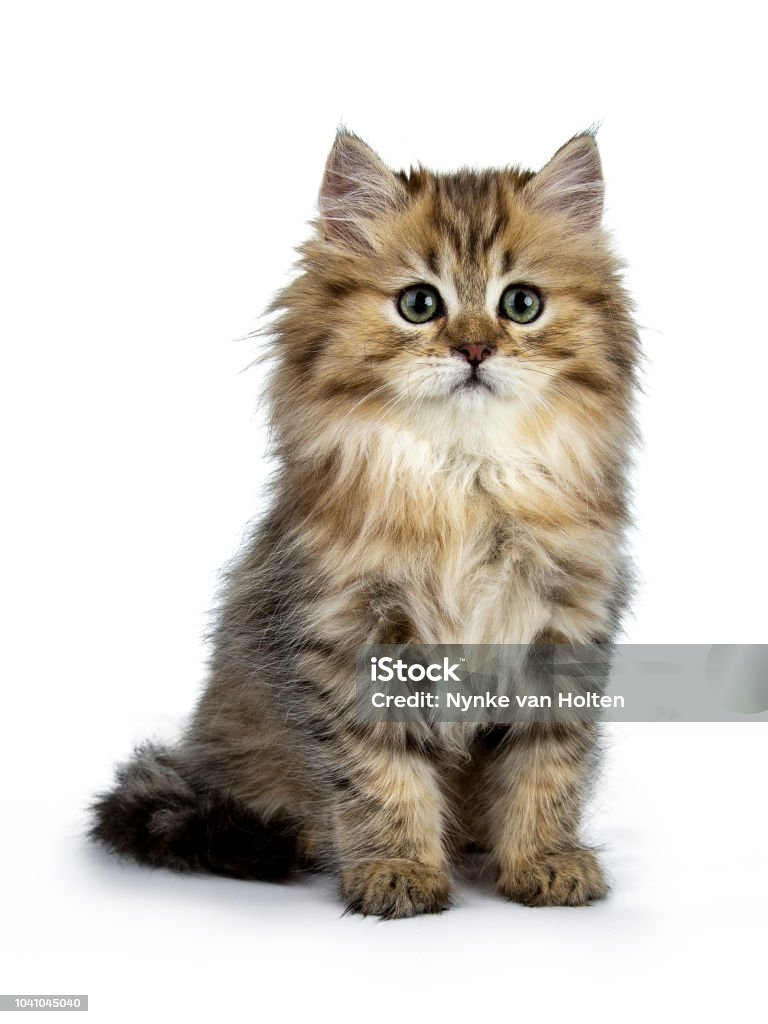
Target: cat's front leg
[535,781]
[388,818]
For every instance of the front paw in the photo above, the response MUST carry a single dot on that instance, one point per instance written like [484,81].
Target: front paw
[572,878]
[394,888]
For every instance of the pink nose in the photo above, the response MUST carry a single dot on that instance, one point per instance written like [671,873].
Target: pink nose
[474,352]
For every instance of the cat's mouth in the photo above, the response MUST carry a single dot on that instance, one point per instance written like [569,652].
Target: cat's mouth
[473,382]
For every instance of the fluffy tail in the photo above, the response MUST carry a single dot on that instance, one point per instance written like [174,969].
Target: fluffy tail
[154,816]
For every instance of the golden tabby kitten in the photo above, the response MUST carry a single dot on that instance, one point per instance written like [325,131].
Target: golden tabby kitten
[451,402]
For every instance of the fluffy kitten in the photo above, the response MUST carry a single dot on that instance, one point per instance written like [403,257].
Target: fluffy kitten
[451,402]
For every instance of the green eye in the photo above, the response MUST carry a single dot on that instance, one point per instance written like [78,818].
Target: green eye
[419,304]
[521,304]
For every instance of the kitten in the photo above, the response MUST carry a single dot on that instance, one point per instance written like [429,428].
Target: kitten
[451,404]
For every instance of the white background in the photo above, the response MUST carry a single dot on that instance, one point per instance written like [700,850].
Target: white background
[160,162]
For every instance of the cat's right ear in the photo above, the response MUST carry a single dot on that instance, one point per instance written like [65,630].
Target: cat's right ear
[357,188]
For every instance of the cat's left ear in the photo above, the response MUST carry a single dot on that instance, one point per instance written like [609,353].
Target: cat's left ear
[571,184]
[357,188]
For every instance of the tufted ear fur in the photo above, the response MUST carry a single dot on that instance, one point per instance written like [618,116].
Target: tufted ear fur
[571,184]
[357,188]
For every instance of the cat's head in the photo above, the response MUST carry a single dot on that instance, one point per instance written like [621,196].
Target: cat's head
[444,297]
